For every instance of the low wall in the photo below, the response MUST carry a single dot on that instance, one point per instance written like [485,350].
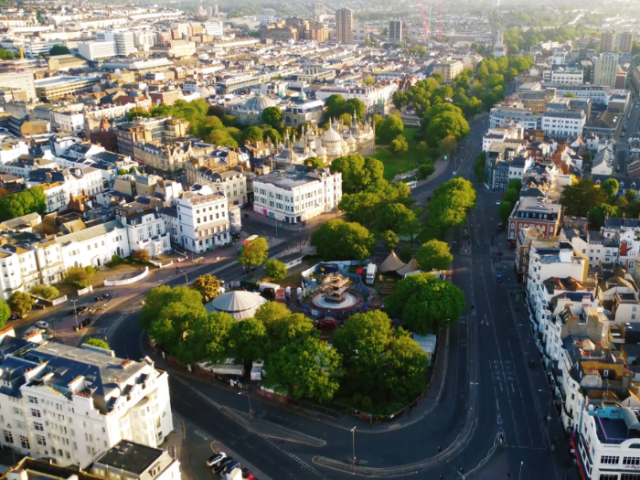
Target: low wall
[127,281]
[84,291]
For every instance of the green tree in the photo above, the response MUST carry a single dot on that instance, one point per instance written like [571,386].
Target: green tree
[23,203]
[599,213]
[425,170]
[478,167]
[425,303]
[252,135]
[47,292]
[169,312]
[450,204]
[59,50]
[335,106]
[504,211]
[391,240]
[20,303]
[271,312]
[406,366]
[369,80]
[434,255]
[231,121]
[208,286]
[306,369]
[206,339]
[276,270]
[448,145]
[579,198]
[444,125]
[516,184]
[6,54]
[511,195]
[389,128]
[355,105]
[78,277]
[339,239]
[395,217]
[610,187]
[248,340]
[97,342]
[314,162]
[254,253]
[358,172]
[399,145]
[272,116]
[5,313]
[631,195]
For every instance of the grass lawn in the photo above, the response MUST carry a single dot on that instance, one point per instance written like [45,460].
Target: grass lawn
[394,164]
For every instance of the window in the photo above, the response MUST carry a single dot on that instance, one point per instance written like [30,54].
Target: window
[41,440]
[25,442]
[8,436]
[609,460]
[38,426]
[631,461]
[33,400]
[35,412]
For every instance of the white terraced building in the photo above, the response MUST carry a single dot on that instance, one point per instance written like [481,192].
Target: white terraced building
[73,405]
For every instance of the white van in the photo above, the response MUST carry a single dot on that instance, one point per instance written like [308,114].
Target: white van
[371,273]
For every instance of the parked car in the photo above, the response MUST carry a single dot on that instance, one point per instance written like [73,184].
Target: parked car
[79,309]
[500,227]
[220,467]
[498,202]
[230,466]
[246,473]
[42,324]
[14,316]
[216,458]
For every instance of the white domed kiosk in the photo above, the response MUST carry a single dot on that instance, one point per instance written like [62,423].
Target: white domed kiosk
[239,304]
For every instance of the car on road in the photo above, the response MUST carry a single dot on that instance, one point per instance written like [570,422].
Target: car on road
[220,467]
[498,202]
[216,458]
[42,324]
[14,316]
[78,310]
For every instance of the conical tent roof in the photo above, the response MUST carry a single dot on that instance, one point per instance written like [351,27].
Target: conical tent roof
[239,304]
[412,266]
[391,264]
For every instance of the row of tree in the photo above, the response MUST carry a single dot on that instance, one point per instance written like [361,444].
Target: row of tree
[31,200]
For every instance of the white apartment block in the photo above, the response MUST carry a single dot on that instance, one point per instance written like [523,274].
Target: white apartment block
[73,405]
[594,245]
[96,50]
[146,229]
[18,270]
[68,122]
[565,123]
[297,194]
[370,95]
[627,230]
[135,461]
[524,116]
[501,134]
[10,150]
[203,220]
[125,43]
[567,76]
[94,245]
[232,182]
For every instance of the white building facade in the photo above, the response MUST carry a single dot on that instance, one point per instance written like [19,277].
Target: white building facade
[203,220]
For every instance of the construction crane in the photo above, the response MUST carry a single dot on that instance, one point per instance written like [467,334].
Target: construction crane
[424,22]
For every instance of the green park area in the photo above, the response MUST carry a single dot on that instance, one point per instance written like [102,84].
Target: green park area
[394,164]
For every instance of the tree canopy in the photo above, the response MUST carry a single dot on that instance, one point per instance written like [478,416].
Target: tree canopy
[59,50]
[272,116]
[97,342]
[434,255]
[358,172]
[338,239]
[254,253]
[276,270]
[5,313]
[23,203]
[208,286]
[389,128]
[450,203]
[425,303]
[20,303]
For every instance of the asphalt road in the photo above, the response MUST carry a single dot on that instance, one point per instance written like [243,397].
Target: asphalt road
[632,124]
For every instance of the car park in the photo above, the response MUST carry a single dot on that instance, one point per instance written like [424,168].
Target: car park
[216,458]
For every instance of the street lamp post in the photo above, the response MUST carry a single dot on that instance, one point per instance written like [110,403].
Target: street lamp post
[520,471]
[353,443]
[75,311]
[186,277]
